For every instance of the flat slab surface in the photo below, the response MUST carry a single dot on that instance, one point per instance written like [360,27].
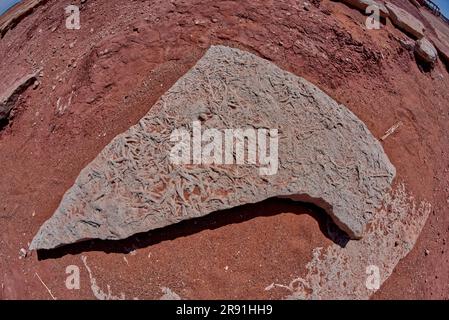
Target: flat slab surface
[326,156]
[405,20]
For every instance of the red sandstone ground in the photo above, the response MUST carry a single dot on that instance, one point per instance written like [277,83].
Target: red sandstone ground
[124,57]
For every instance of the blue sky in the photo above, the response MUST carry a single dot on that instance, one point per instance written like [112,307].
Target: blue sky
[5,4]
[444,6]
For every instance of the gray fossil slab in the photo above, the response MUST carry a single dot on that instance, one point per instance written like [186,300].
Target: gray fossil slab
[325,155]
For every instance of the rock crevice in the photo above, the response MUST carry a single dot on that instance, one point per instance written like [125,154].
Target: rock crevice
[9,98]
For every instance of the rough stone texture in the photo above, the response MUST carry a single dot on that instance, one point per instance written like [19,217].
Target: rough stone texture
[11,18]
[405,21]
[9,98]
[442,45]
[326,156]
[426,51]
[363,4]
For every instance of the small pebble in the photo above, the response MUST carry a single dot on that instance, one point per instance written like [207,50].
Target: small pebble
[22,253]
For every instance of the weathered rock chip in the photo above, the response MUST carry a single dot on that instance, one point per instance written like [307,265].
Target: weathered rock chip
[363,4]
[426,51]
[405,21]
[326,156]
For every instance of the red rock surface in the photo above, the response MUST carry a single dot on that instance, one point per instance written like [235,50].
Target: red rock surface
[134,51]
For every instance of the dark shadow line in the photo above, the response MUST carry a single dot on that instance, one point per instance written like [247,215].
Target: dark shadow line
[215,220]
